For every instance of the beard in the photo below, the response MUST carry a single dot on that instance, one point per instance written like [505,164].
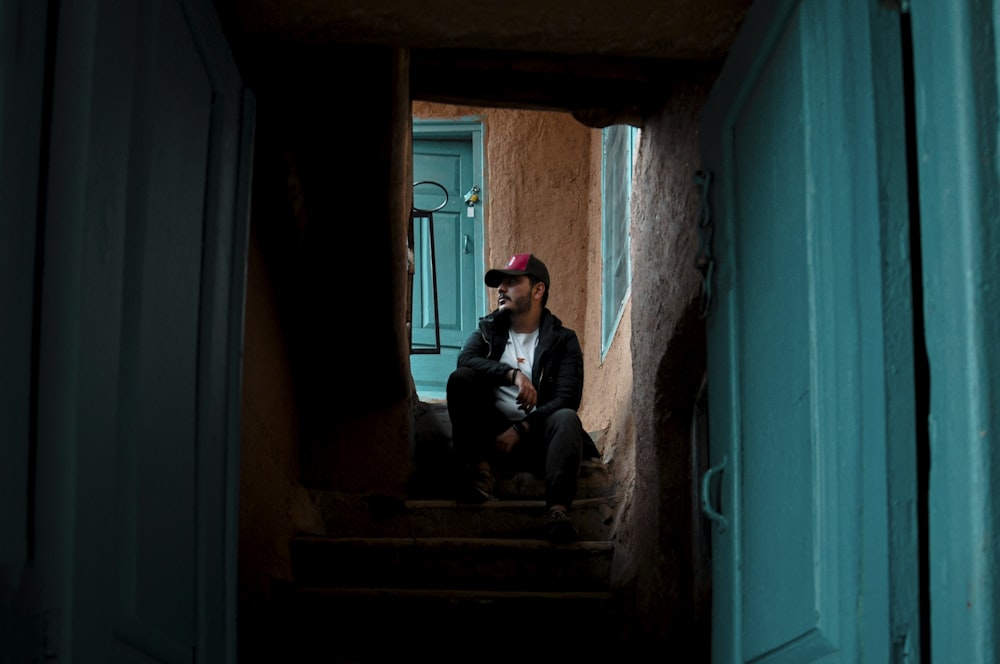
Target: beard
[516,306]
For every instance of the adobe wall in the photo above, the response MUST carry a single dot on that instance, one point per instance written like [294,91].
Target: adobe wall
[273,505]
[326,388]
[667,566]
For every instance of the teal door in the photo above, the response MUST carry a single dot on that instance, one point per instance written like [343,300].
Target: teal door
[447,155]
[140,327]
[811,398]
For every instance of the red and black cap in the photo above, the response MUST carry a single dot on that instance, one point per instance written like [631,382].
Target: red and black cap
[519,264]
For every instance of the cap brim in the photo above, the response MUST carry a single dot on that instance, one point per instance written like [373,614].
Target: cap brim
[494,277]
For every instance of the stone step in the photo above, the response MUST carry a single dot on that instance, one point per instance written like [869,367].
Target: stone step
[442,481]
[349,515]
[366,625]
[451,563]
[430,577]
[594,482]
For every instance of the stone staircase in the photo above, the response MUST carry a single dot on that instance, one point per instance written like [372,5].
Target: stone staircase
[433,579]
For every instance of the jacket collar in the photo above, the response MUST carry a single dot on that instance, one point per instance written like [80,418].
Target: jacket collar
[546,323]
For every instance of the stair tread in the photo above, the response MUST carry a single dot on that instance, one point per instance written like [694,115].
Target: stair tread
[452,593]
[360,624]
[452,563]
[459,542]
[407,565]
[444,503]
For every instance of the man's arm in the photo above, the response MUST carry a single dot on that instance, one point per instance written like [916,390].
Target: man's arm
[568,389]
[475,356]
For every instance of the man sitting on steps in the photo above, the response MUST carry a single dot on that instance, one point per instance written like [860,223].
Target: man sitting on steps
[514,395]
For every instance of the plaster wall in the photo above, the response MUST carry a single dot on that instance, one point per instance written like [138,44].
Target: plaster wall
[331,204]
[309,410]
[667,563]
[274,505]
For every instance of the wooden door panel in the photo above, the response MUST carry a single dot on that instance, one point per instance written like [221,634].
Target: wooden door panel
[22,74]
[449,163]
[447,249]
[141,333]
[775,386]
[160,331]
[804,349]
[775,377]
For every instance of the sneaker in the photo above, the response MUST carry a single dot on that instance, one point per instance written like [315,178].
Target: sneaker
[482,487]
[560,529]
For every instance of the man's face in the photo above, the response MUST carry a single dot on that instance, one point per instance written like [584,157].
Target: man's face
[514,295]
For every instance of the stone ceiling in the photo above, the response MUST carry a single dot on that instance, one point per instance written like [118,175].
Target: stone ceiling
[599,59]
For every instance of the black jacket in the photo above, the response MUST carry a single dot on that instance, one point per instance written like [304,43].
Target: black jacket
[557,369]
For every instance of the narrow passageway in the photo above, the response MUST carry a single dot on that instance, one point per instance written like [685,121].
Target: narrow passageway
[396,572]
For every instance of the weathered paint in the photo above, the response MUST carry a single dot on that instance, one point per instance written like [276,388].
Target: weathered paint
[956,89]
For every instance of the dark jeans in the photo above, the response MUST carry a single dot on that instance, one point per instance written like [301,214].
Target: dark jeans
[552,451]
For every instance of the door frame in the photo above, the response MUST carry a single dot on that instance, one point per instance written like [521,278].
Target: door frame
[956,79]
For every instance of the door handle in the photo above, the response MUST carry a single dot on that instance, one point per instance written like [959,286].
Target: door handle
[706,501]
[466,244]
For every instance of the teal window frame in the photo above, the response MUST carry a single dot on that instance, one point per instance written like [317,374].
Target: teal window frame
[619,144]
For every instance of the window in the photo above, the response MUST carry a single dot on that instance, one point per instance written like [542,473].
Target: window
[619,146]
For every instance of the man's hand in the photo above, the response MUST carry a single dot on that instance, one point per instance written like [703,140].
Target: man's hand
[527,396]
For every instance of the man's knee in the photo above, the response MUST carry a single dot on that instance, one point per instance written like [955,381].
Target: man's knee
[565,417]
[460,381]
[564,421]
[461,375]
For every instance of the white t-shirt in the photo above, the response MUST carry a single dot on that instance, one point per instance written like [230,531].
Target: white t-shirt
[520,353]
